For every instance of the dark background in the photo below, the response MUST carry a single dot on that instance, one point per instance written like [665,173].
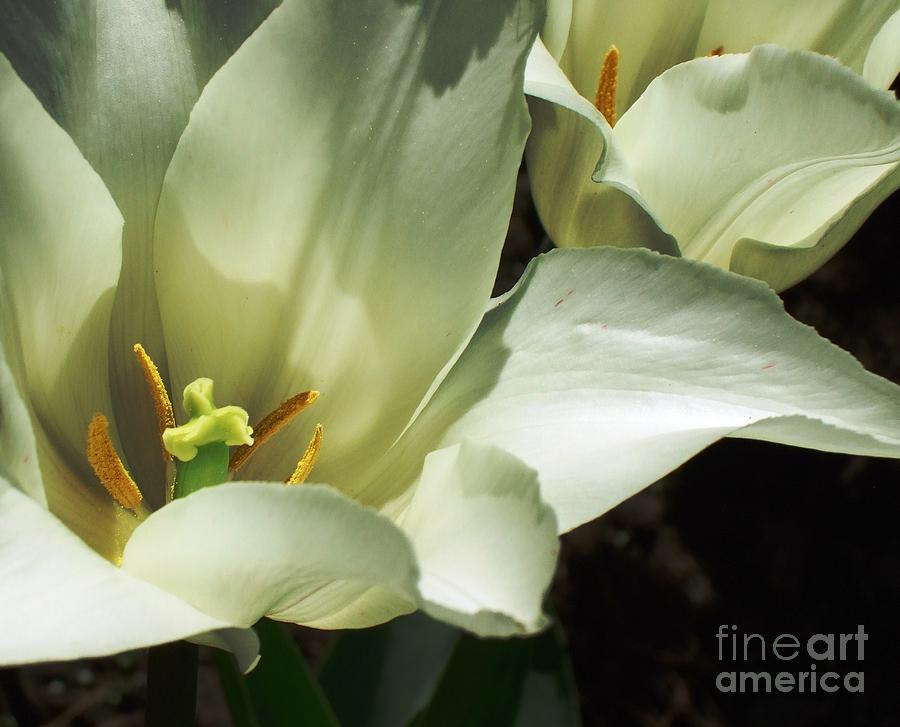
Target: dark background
[766,537]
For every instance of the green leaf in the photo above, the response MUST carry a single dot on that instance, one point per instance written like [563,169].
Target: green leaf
[281,690]
[384,676]
[549,695]
[482,684]
[352,674]
[237,694]
[526,683]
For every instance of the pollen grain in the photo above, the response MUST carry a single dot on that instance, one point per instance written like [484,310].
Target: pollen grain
[270,425]
[108,467]
[308,460]
[161,402]
[607,83]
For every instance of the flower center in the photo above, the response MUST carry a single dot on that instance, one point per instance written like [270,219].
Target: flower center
[201,445]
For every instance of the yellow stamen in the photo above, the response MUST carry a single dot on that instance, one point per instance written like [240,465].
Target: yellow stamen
[605,100]
[109,468]
[717,51]
[271,425]
[164,414]
[308,460]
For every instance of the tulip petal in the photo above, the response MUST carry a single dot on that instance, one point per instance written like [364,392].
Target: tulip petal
[766,163]
[577,213]
[664,33]
[121,79]
[650,39]
[783,147]
[240,551]
[571,144]
[486,541]
[843,29]
[60,250]
[555,33]
[309,555]
[18,449]
[605,369]
[883,59]
[60,600]
[349,161]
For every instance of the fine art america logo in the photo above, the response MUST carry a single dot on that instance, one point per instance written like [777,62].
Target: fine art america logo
[787,663]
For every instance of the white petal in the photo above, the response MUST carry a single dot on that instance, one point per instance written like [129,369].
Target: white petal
[883,59]
[242,550]
[650,38]
[840,28]
[335,210]
[121,79]
[243,643]
[60,251]
[571,145]
[783,147]
[60,600]
[309,555]
[659,34]
[562,148]
[18,449]
[555,33]
[485,541]
[605,369]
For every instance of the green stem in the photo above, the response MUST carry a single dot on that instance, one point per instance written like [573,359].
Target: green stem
[172,668]
[209,467]
[172,685]
[237,694]
[282,690]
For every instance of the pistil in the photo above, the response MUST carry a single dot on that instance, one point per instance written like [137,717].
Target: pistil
[201,445]
[208,424]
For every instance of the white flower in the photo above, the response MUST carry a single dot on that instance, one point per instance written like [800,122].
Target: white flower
[763,163]
[332,220]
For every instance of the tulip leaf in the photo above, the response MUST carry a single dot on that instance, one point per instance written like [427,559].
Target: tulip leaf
[549,694]
[401,674]
[384,676]
[237,694]
[482,684]
[516,682]
[281,690]
[352,673]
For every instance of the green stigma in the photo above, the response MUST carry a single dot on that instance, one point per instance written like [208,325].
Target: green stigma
[209,424]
